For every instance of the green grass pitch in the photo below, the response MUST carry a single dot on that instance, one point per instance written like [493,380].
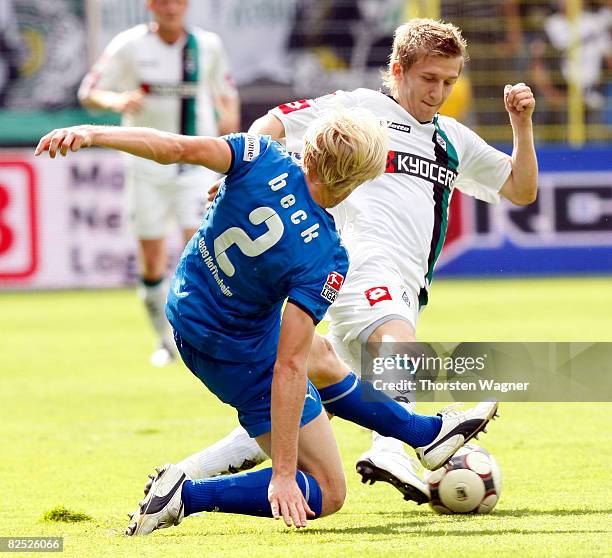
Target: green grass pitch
[84,418]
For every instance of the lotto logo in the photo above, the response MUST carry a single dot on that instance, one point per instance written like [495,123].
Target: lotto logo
[376,294]
[288,108]
[18,225]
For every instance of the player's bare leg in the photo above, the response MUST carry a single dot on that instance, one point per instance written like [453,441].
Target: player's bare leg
[387,460]
[318,455]
[153,260]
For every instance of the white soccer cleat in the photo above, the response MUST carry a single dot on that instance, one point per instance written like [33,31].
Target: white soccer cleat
[163,506]
[458,427]
[163,356]
[396,468]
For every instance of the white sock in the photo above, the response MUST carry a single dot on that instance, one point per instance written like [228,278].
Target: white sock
[154,299]
[384,443]
[237,451]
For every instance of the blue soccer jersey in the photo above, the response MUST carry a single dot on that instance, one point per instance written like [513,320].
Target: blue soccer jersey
[263,240]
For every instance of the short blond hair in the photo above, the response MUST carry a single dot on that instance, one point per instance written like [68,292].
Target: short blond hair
[423,37]
[343,149]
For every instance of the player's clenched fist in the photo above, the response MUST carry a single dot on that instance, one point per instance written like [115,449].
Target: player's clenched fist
[64,139]
[130,102]
[519,100]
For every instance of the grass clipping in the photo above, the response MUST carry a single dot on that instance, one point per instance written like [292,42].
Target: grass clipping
[60,513]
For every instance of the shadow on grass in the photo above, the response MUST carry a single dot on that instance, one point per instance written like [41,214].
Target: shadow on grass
[449,526]
[461,530]
[520,512]
[526,512]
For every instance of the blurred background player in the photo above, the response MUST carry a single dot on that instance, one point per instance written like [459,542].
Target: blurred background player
[174,78]
[10,47]
[394,227]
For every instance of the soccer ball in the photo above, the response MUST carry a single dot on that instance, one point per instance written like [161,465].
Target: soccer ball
[470,482]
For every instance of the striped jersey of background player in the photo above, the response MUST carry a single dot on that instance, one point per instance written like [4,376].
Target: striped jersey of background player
[174,78]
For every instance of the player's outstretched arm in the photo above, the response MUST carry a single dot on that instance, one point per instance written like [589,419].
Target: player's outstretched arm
[522,185]
[162,147]
[288,392]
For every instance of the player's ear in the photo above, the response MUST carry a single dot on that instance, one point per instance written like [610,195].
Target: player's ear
[397,70]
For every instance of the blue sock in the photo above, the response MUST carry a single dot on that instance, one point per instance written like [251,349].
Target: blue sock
[244,493]
[357,401]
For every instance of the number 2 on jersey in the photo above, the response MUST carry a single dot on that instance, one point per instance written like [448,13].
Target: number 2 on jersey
[248,246]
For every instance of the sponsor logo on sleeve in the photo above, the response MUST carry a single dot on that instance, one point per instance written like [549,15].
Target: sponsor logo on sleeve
[288,108]
[377,294]
[406,299]
[332,286]
[396,126]
[251,148]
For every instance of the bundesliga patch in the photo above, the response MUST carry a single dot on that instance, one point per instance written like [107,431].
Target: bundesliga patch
[332,286]
[251,148]
[377,294]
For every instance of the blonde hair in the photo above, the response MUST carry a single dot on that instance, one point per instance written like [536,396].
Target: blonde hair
[343,149]
[423,37]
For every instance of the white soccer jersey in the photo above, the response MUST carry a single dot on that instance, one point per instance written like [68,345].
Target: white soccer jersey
[402,216]
[180,81]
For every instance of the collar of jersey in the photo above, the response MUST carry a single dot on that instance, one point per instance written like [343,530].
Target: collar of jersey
[410,115]
[178,44]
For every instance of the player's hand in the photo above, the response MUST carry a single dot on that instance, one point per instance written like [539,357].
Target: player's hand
[130,102]
[286,500]
[519,101]
[212,192]
[64,139]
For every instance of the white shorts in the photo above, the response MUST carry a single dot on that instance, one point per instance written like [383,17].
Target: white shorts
[374,293]
[152,201]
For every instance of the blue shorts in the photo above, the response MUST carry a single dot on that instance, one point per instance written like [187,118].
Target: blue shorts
[245,386]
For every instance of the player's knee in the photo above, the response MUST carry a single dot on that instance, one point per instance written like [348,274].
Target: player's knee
[153,268]
[333,498]
[324,366]
[386,338]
